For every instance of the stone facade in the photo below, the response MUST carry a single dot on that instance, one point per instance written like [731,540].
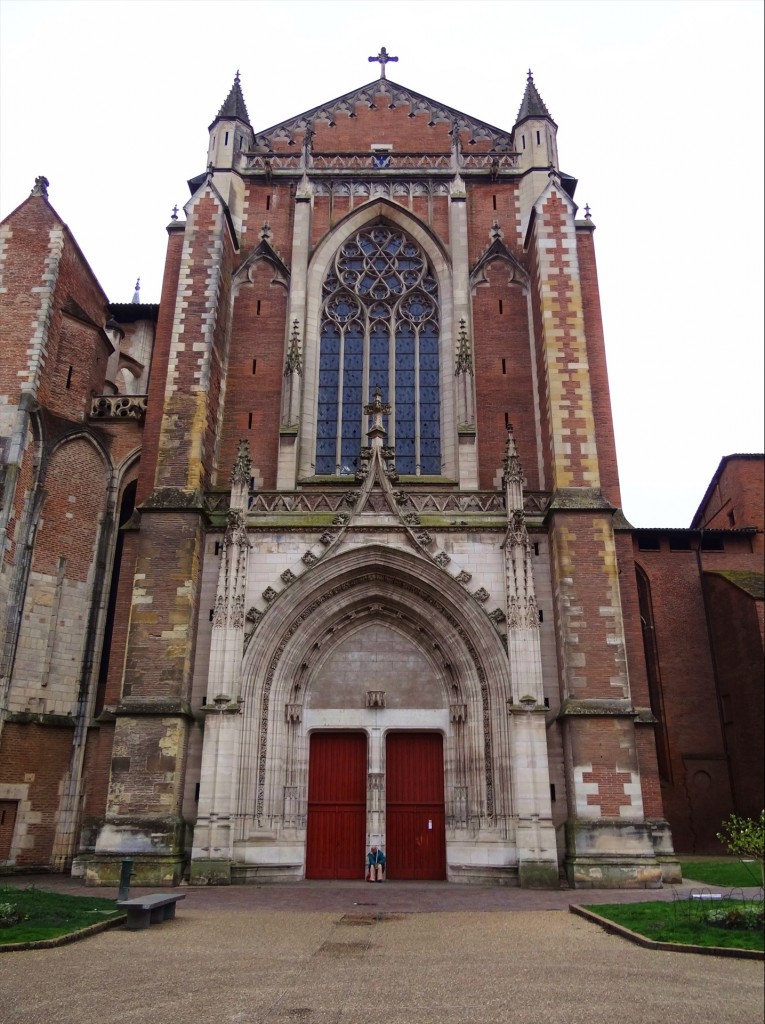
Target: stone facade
[356,474]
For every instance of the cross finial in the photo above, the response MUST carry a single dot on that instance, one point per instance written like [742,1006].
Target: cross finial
[236,77]
[382,58]
[529,76]
[174,214]
[587,213]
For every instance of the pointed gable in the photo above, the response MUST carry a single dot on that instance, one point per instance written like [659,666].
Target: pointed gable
[384,95]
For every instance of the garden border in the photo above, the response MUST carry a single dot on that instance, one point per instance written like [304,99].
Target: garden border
[667,947]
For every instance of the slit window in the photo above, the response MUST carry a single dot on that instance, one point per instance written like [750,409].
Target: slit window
[257,308]
[494,202]
[254,365]
[249,421]
[69,377]
[501,307]
[538,139]
[268,202]
[507,421]
[504,365]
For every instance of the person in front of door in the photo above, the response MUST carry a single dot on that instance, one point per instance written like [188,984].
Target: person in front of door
[376,864]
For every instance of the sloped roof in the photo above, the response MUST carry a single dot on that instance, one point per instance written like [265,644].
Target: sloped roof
[752,583]
[398,94]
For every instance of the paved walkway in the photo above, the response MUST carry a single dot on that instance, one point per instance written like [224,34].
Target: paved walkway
[396,953]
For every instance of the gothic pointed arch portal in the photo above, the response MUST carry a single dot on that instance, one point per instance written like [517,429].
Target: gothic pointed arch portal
[375,641]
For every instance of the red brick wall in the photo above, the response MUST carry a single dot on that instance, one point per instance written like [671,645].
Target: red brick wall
[253,399]
[158,378]
[38,755]
[736,624]
[697,796]
[23,270]
[737,498]
[503,375]
[70,527]
[596,357]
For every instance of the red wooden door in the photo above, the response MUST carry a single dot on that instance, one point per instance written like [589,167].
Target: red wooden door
[337,805]
[415,825]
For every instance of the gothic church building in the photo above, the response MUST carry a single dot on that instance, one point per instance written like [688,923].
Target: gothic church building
[326,548]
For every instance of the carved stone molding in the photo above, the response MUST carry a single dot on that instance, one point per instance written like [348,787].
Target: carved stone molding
[481,595]
[118,407]
[293,713]
[375,698]
[458,712]
[464,577]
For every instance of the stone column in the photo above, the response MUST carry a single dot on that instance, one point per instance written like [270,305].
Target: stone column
[301,247]
[458,238]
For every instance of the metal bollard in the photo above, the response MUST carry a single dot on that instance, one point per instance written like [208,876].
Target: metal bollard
[126,872]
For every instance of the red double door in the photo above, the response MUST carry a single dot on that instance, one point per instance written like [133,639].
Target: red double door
[415,826]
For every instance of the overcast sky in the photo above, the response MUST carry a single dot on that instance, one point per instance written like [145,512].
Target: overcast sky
[659,107]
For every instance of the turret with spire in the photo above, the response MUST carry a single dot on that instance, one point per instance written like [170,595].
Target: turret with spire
[230,131]
[535,131]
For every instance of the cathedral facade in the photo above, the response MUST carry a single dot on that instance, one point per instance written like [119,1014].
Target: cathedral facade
[326,549]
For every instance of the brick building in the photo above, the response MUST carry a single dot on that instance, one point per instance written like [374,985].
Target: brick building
[326,549]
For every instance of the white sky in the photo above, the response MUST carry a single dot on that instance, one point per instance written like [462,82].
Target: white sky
[660,114]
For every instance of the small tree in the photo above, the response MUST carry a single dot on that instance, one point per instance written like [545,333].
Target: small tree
[745,837]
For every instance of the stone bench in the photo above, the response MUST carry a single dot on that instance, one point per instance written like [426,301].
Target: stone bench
[145,910]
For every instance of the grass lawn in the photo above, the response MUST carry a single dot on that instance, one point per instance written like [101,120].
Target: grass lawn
[682,922]
[722,872]
[47,915]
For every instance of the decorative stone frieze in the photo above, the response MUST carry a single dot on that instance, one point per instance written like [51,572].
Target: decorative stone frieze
[118,407]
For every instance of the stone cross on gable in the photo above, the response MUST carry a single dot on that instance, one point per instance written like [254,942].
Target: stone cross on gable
[382,58]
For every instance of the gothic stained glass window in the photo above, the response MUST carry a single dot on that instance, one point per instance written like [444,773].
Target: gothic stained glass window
[379,329]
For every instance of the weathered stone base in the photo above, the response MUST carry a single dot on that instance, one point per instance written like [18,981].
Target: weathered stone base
[210,872]
[265,874]
[98,869]
[661,836]
[603,854]
[481,874]
[538,876]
